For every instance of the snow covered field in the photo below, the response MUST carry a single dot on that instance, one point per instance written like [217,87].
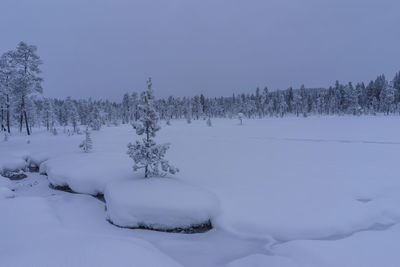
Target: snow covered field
[318,191]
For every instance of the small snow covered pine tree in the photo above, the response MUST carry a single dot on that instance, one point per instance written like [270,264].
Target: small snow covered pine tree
[146,153]
[86,144]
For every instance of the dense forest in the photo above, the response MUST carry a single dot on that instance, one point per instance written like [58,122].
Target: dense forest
[23,106]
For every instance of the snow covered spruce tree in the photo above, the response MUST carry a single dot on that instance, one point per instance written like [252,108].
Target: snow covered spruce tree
[86,144]
[146,153]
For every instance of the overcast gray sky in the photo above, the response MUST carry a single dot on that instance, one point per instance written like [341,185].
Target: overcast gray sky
[103,48]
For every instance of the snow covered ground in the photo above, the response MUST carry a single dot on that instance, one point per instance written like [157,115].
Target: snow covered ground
[318,191]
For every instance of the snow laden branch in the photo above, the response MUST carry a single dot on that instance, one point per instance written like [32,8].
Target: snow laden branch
[146,153]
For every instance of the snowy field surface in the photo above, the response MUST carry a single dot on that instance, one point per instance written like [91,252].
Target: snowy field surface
[319,191]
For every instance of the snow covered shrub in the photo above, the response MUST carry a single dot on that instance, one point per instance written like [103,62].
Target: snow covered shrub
[146,153]
[5,136]
[168,122]
[240,117]
[209,124]
[86,144]
[54,131]
[188,119]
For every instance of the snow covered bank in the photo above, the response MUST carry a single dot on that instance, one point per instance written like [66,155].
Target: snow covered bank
[14,167]
[12,164]
[26,153]
[159,203]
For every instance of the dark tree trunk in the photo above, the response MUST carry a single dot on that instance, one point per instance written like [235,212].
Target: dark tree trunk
[20,121]
[8,115]
[26,124]
[21,116]
[2,120]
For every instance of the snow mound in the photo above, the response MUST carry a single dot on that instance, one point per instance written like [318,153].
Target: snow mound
[261,260]
[87,173]
[12,164]
[45,241]
[35,159]
[160,204]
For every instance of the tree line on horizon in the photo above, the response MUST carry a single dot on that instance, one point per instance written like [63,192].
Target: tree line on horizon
[23,106]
